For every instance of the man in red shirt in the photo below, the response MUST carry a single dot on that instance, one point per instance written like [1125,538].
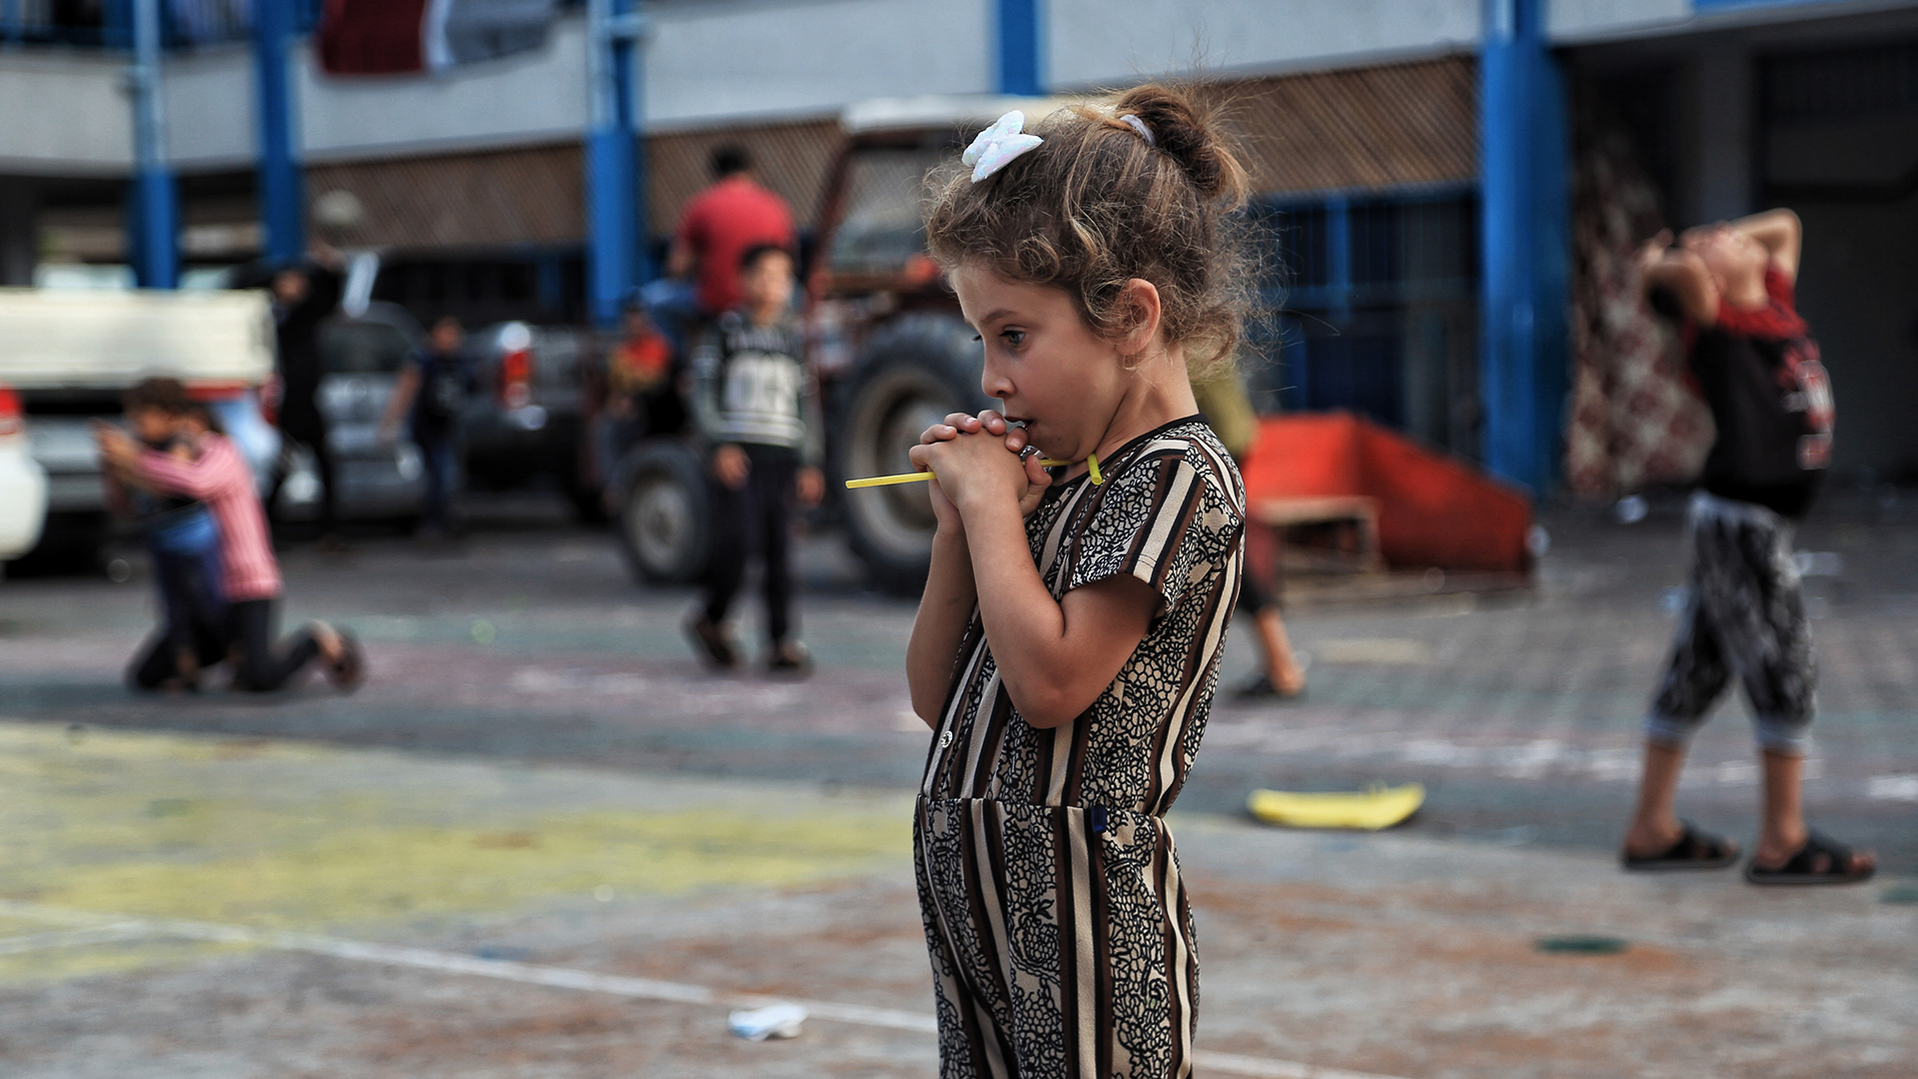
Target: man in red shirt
[721,223]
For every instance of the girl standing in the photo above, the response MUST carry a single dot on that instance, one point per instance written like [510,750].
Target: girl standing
[1067,647]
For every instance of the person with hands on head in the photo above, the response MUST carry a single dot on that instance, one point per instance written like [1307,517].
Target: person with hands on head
[1066,649]
[755,404]
[1732,284]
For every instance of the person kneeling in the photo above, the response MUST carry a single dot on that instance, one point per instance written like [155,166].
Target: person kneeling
[204,465]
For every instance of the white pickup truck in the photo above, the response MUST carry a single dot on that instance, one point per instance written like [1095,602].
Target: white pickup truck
[70,354]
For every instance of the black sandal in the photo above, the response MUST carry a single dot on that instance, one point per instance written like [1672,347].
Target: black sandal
[1803,868]
[1695,849]
[347,672]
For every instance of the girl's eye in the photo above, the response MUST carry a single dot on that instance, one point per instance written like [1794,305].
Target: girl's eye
[1014,337]
[977,340]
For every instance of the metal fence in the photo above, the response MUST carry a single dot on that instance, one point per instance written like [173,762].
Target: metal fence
[1371,305]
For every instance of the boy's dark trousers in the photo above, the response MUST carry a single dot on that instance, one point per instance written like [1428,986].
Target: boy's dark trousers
[257,668]
[184,550]
[755,516]
[439,453]
[305,425]
[194,619]
[1744,618]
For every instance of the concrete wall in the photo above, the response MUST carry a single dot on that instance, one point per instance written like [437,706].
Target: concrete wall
[710,64]
[531,97]
[1095,42]
[209,109]
[64,115]
[761,59]
[706,64]
[1577,19]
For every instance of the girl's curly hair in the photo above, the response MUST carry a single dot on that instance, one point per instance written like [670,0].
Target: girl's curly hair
[1095,206]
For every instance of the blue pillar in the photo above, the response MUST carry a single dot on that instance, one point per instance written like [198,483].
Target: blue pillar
[615,195]
[1338,257]
[1525,245]
[155,212]
[282,195]
[1019,48]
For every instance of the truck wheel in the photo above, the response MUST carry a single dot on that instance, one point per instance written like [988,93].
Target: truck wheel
[926,368]
[662,517]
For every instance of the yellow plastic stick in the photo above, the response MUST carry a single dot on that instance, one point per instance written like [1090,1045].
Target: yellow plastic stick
[921,477]
[888,481]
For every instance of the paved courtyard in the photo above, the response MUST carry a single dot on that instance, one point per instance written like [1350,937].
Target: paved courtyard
[542,842]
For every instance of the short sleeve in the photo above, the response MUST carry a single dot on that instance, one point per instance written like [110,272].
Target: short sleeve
[1167,520]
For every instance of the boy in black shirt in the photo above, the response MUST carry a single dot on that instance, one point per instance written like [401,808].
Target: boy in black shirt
[753,403]
[1759,370]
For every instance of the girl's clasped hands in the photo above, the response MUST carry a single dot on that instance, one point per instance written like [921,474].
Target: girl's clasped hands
[979,458]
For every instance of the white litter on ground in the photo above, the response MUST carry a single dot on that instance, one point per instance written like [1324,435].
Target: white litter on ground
[772,1021]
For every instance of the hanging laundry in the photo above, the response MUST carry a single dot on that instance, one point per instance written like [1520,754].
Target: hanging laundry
[463,31]
[390,37]
[371,37]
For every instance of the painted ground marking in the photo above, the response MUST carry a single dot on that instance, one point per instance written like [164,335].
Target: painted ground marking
[102,928]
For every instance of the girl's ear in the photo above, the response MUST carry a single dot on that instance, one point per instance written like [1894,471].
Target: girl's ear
[1140,314]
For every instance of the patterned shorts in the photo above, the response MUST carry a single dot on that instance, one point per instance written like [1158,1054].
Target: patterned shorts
[1061,941]
[1744,616]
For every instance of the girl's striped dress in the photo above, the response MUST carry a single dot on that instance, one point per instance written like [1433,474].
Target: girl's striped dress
[1060,934]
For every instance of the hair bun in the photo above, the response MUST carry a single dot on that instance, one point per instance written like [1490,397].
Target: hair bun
[1190,132]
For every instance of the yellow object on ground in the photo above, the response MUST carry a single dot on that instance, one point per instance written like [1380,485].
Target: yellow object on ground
[1380,807]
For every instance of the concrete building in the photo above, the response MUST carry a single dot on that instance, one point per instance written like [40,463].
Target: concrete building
[1420,162]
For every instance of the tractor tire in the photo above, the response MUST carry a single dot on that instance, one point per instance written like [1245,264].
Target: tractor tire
[915,372]
[663,517]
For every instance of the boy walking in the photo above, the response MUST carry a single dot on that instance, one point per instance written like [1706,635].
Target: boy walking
[753,405]
[1759,369]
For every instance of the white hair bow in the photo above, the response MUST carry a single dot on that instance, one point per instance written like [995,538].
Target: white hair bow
[998,145]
